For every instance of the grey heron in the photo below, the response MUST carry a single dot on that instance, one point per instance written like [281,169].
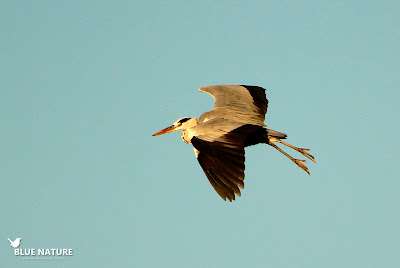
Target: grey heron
[220,136]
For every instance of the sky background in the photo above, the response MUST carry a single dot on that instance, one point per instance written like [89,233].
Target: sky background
[85,84]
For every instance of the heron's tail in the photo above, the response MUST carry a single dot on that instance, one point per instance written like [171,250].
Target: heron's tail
[277,134]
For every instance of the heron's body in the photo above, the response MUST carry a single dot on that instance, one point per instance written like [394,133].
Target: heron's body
[220,135]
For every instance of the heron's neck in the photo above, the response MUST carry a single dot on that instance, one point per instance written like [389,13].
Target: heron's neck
[186,134]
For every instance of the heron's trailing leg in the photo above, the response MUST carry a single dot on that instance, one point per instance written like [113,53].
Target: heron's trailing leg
[300,150]
[298,162]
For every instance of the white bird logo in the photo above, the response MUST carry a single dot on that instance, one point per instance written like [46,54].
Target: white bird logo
[15,243]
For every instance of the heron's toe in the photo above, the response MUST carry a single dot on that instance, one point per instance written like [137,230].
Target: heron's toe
[307,154]
[300,162]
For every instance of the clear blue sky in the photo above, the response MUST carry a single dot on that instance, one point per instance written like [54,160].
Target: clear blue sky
[84,85]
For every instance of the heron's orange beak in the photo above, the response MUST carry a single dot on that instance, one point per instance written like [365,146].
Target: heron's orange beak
[165,130]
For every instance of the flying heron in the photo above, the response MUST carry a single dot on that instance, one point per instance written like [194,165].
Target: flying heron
[220,135]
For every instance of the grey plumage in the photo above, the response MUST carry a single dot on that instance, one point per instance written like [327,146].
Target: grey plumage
[220,136]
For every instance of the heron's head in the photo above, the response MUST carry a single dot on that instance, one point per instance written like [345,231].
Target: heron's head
[180,124]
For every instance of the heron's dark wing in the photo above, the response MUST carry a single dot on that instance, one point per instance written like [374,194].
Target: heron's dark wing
[220,152]
[247,104]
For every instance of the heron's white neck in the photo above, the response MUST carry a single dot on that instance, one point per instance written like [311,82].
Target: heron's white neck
[185,136]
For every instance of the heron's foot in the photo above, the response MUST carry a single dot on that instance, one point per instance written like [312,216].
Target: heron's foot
[307,154]
[300,162]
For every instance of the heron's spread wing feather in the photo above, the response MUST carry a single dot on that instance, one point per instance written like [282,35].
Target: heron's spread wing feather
[222,155]
[247,104]
[225,176]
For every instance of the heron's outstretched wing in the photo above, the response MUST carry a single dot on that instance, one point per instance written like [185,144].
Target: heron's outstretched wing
[219,146]
[247,104]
